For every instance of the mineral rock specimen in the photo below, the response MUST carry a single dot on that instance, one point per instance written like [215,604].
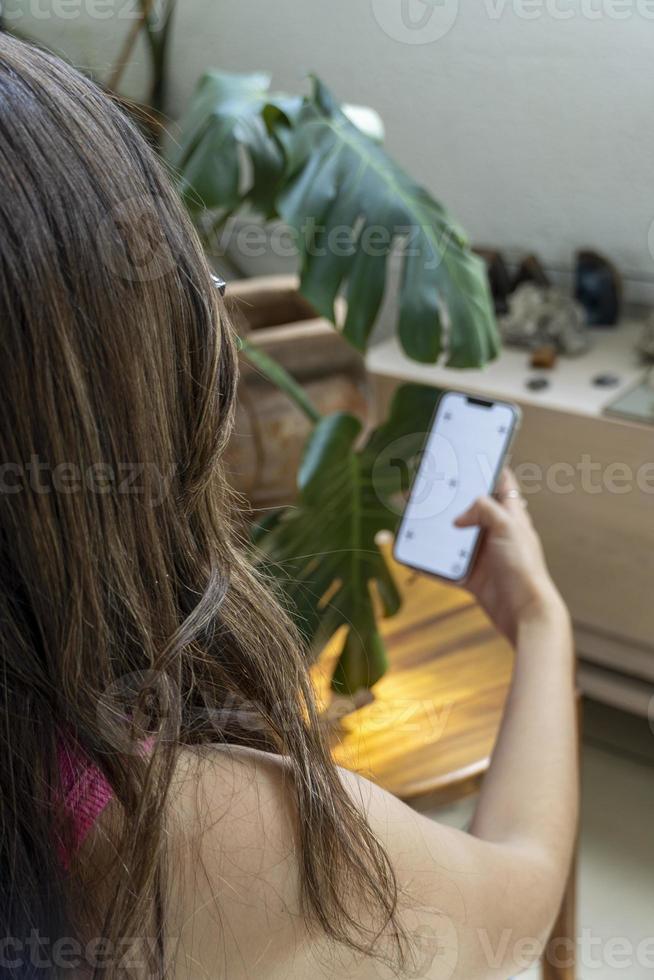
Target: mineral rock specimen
[545,316]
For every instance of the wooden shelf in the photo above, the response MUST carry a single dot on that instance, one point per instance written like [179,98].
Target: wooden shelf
[571,388]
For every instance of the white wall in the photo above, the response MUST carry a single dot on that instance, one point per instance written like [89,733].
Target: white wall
[532,120]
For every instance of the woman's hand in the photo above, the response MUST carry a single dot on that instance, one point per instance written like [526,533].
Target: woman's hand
[510,578]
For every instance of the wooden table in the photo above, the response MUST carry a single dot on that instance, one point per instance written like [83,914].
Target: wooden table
[431,727]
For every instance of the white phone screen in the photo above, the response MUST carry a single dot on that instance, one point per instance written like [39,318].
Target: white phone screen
[459,462]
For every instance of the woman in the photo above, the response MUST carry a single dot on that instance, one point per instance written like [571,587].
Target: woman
[167,803]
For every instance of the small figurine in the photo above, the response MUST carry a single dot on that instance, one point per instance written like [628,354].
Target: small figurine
[544,357]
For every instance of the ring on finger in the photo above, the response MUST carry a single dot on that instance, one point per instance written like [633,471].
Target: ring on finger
[511,495]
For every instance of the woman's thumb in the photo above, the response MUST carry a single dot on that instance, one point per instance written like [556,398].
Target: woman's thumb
[484,512]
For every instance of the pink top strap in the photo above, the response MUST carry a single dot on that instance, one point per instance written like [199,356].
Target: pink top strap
[86,793]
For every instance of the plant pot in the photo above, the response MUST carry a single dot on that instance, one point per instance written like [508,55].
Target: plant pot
[270,431]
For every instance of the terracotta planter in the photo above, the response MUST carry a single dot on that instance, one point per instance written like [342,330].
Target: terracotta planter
[270,431]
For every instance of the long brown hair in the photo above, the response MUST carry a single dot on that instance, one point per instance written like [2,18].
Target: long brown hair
[119,568]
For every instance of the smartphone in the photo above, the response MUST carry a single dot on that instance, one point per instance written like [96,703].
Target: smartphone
[461,460]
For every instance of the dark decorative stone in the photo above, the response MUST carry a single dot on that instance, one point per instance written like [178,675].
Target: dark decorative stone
[530,270]
[598,287]
[645,345]
[498,277]
[537,384]
[606,380]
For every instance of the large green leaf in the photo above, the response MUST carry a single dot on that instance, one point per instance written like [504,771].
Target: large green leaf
[351,204]
[224,133]
[323,552]
[350,207]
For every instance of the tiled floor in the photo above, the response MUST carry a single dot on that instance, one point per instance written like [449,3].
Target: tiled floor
[616,901]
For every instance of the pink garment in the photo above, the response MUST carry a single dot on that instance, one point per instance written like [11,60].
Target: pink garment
[86,794]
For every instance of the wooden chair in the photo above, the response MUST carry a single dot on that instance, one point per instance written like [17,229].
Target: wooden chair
[429,731]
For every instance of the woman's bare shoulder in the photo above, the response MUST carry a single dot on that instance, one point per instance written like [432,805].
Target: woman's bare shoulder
[233,831]
[233,807]
[235,909]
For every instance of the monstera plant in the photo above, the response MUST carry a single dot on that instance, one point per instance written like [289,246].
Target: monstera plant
[301,160]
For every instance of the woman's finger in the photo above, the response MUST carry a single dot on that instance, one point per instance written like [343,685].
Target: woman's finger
[486,513]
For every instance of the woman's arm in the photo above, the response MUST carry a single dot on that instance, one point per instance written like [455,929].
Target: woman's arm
[529,796]
[500,887]
[530,793]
